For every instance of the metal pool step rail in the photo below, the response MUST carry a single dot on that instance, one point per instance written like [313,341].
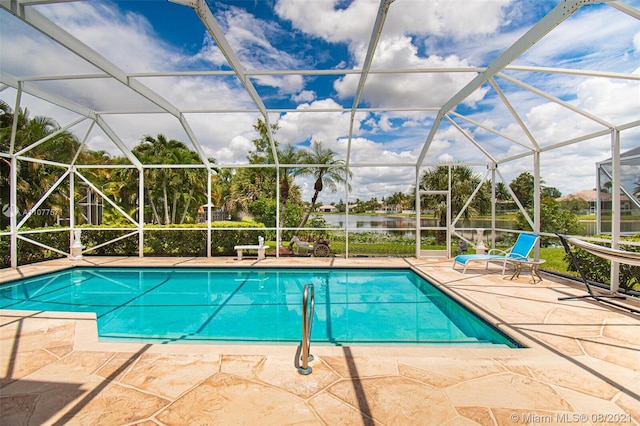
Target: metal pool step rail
[308,303]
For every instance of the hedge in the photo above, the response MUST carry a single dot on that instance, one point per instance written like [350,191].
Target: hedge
[157,242]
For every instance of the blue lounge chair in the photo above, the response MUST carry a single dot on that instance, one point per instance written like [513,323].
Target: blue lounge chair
[520,251]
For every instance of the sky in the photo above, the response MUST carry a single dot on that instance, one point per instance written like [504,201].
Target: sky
[159,36]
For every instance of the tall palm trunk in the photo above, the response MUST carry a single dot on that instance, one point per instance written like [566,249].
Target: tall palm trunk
[165,201]
[154,210]
[174,206]
[186,207]
[313,203]
[308,213]
[284,195]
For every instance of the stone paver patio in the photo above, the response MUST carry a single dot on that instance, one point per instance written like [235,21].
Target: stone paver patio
[581,365]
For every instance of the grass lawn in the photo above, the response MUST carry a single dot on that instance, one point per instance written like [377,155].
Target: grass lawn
[554,257]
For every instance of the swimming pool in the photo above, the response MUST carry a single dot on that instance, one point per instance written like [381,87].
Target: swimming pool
[352,306]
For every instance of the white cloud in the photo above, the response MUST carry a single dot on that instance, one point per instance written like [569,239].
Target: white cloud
[396,48]
[236,149]
[106,29]
[616,101]
[249,37]
[378,182]
[446,158]
[328,127]
[304,96]
[323,19]
[384,123]
[368,151]
[409,89]
[455,18]
[458,19]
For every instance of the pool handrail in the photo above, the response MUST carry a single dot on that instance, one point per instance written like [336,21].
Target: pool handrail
[308,304]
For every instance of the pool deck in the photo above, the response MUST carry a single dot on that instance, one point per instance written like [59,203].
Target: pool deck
[581,364]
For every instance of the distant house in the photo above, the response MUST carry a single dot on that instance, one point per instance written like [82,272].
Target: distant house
[327,208]
[591,196]
[383,207]
[629,183]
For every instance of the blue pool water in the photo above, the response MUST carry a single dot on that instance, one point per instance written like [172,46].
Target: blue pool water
[352,306]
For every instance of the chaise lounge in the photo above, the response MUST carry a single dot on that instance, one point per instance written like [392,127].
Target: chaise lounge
[519,252]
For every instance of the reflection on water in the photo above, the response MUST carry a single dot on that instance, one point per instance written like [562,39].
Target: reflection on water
[627,227]
[382,223]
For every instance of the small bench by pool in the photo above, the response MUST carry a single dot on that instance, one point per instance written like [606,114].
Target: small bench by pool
[260,247]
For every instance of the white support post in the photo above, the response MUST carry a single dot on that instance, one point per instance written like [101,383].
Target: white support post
[493,204]
[346,216]
[449,212]
[278,195]
[536,202]
[13,212]
[417,207]
[209,213]
[598,201]
[140,211]
[13,183]
[72,216]
[615,207]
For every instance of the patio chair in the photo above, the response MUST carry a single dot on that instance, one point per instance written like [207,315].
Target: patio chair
[520,251]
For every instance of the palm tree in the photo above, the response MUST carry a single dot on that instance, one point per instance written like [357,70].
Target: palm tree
[122,188]
[165,184]
[286,156]
[463,183]
[325,169]
[34,178]
[221,188]
[522,186]
[502,193]
[250,184]
[398,199]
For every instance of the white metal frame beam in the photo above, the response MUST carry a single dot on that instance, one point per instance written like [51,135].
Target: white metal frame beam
[383,9]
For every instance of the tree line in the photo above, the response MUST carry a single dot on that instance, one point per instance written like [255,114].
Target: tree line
[174,195]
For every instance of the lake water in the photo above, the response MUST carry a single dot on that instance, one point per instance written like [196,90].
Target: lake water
[397,225]
[374,223]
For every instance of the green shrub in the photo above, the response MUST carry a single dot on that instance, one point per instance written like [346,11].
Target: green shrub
[157,241]
[31,253]
[124,247]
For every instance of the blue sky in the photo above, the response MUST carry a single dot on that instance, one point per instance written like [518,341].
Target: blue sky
[160,36]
